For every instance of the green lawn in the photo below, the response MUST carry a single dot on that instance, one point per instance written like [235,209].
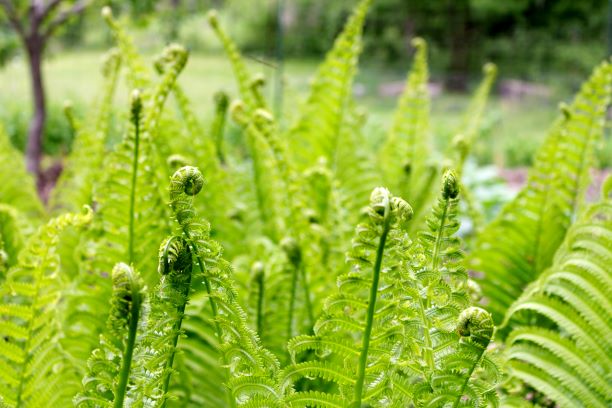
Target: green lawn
[512,128]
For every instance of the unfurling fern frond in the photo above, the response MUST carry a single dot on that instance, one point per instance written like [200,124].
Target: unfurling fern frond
[108,379]
[358,322]
[442,361]
[199,259]
[34,370]
[560,343]
[519,244]
[465,375]
[167,312]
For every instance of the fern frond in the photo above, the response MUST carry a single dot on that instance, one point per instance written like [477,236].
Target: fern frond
[17,190]
[241,73]
[564,351]
[519,244]
[106,383]
[403,158]
[14,229]
[35,369]
[317,131]
[369,318]
[75,185]
[470,126]
[138,74]
[240,350]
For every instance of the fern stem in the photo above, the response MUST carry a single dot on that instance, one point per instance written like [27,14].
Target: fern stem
[428,350]
[363,358]
[435,257]
[129,348]
[294,281]
[215,312]
[306,289]
[177,331]
[260,303]
[467,379]
[136,110]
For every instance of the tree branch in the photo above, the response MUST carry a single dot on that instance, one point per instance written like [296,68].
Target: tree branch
[49,7]
[64,16]
[13,18]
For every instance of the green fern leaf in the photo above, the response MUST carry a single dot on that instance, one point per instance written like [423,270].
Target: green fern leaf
[35,371]
[519,244]
[18,190]
[317,131]
[75,185]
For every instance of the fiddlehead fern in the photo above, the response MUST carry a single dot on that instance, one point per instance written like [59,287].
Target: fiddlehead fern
[126,305]
[357,324]
[466,377]
[380,206]
[240,351]
[110,366]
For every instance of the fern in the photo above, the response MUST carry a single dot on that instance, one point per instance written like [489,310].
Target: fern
[238,346]
[470,126]
[519,244]
[106,383]
[75,184]
[355,307]
[408,350]
[138,76]
[218,124]
[34,369]
[404,156]
[565,351]
[14,228]
[18,190]
[317,131]
[243,78]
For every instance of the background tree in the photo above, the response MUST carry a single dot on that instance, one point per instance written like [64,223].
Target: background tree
[35,22]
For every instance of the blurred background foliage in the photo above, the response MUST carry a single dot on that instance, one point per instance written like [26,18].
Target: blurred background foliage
[544,49]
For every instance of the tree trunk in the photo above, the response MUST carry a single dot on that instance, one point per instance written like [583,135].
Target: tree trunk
[35,48]
[458,34]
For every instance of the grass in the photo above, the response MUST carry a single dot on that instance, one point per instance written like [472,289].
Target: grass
[513,128]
